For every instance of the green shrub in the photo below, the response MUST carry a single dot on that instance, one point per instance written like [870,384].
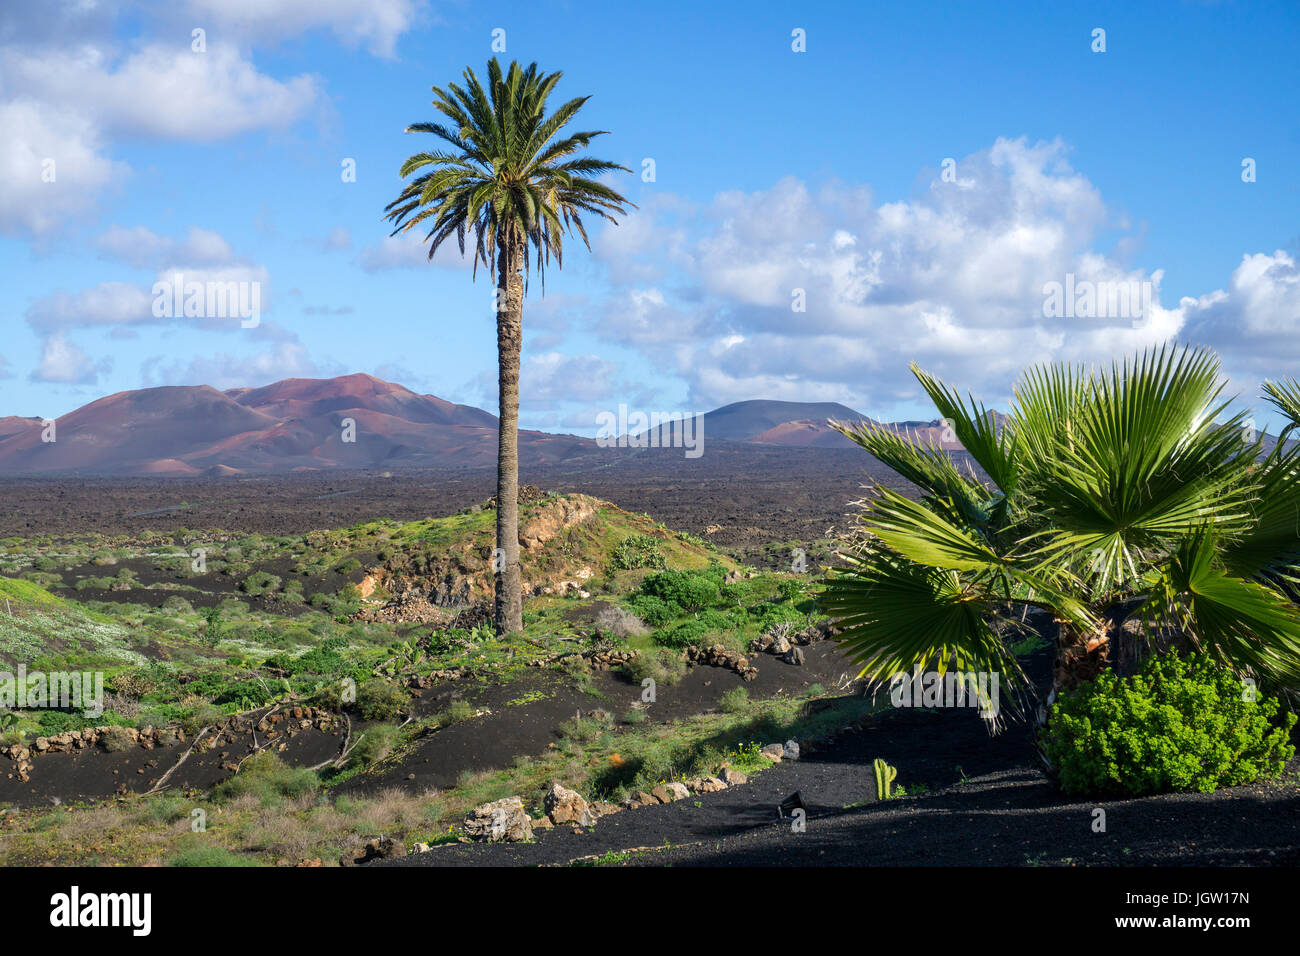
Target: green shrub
[266,776]
[376,743]
[456,712]
[381,700]
[199,716]
[259,582]
[768,614]
[1180,723]
[737,592]
[325,660]
[654,611]
[639,551]
[792,589]
[115,739]
[734,701]
[698,629]
[45,578]
[665,667]
[689,590]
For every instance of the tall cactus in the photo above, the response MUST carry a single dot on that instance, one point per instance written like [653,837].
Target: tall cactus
[885,775]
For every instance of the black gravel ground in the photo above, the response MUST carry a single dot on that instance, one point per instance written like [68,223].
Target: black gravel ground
[972,800]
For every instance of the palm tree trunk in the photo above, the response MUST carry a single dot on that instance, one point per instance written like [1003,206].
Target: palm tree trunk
[509,610]
[1078,659]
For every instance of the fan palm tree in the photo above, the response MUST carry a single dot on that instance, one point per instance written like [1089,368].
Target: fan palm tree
[1110,497]
[512,182]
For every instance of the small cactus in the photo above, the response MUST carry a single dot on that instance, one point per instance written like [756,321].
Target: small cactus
[885,775]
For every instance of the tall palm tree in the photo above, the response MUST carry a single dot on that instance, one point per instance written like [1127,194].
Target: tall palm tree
[507,181]
[1124,496]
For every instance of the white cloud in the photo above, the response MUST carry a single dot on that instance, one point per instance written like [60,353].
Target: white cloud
[143,248]
[69,92]
[223,370]
[162,91]
[953,278]
[408,250]
[36,135]
[65,363]
[378,23]
[551,377]
[124,304]
[1257,318]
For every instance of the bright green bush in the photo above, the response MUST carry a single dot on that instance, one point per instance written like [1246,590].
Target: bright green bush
[690,590]
[654,611]
[1180,723]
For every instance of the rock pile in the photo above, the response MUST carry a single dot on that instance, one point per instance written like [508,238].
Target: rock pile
[275,724]
[506,820]
[785,642]
[718,656]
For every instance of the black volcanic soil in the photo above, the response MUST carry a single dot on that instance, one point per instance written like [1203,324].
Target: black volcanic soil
[491,741]
[757,494]
[974,800]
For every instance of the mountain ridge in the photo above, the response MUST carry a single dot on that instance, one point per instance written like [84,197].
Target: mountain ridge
[354,421]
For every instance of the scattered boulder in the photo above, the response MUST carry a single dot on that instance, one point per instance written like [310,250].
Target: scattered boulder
[791,750]
[773,752]
[670,792]
[501,820]
[707,785]
[564,805]
[640,799]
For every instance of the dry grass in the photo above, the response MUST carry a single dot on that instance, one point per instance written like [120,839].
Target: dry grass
[259,827]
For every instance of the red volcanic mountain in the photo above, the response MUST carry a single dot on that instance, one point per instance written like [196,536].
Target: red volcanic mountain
[804,425]
[296,424]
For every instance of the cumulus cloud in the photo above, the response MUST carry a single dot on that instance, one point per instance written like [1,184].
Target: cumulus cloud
[124,304]
[553,377]
[70,90]
[161,91]
[122,308]
[223,370]
[1256,320]
[65,363]
[818,293]
[141,247]
[52,165]
[377,23]
[106,304]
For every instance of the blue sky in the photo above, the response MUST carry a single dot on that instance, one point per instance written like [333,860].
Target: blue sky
[775,170]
